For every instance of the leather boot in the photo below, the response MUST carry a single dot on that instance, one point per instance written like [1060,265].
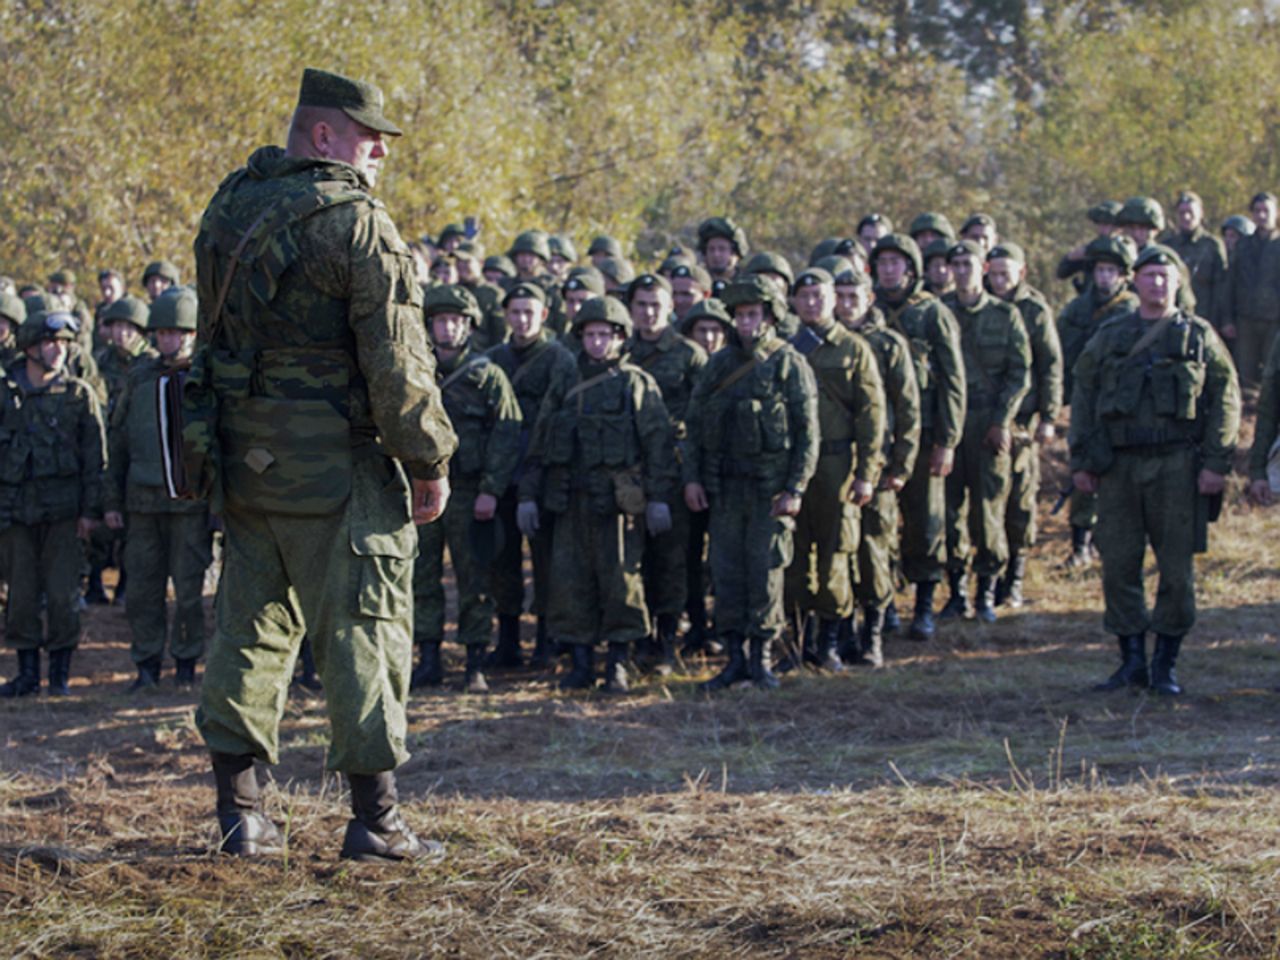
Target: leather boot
[870,640]
[922,626]
[957,605]
[582,676]
[244,831]
[473,681]
[1163,679]
[506,655]
[615,668]
[847,640]
[148,674]
[377,833]
[985,608]
[306,676]
[829,646]
[542,655]
[735,671]
[761,674]
[60,672]
[695,640]
[94,593]
[27,681]
[184,672]
[430,670]
[892,622]
[666,636]
[1009,587]
[1133,665]
[1081,554]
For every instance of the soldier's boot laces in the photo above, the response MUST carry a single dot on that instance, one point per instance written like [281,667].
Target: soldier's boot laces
[506,655]
[184,672]
[243,829]
[542,653]
[666,635]
[1133,665]
[829,646]
[148,677]
[922,624]
[1081,555]
[27,681]
[761,673]
[957,605]
[1163,679]
[615,668]
[582,674]
[473,680]
[430,670]
[985,608]
[871,638]
[735,671]
[378,833]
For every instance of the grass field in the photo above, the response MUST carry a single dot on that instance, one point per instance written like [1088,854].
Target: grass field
[973,799]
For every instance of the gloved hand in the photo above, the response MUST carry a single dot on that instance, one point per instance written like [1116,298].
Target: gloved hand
[527,517]
[657,517]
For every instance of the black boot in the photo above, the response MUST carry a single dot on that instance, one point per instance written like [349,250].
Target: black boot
[957,605]
[735,671]
[1133,665]
[615,668]
[847,641]
[870,640]
[60,672]
[244,831]
[829,646]
[1081,548]
[542,654]
[27,682]
[377,833]
[94,593]
[761,674]
[583,674]
[474,681]
[1009,588]
[506,655]
[148,674]
[922,626]
[306,676]
[985,608]
[695,641]
[892,622]
[184,672]
[122,581]
[666,637]
[430,670]
[1163,679]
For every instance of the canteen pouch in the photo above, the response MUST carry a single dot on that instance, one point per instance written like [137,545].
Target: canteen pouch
[628,491]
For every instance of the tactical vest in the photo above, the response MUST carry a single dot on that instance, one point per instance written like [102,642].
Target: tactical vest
[746,430]
[146,467]
[469,414]
[41,450]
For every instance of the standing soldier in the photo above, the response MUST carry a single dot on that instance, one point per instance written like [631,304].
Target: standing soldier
[1154,421]
[931,331]
[1075,265]
[158,276]
[492,329]
[1034,423]
[165,538]
[980,229]
[753,447]
[930,227]
[937,271]
[313,413]
[1252,282]
[62,284]
[851,419]
[484,413]
[1204,255]
[722,245]
[601,459]
[871,228]
[52,450]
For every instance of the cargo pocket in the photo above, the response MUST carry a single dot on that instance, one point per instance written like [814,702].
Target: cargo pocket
[1189,379]
[383,540]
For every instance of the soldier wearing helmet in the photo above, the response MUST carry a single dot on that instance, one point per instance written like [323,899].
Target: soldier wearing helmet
[722,245]
[1203,253]
[12,314]
[930,227]
[1075,264]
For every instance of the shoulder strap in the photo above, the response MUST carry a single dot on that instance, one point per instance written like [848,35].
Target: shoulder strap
[527,365]
[1152,334]
[590,382]
[739,372]
[465,368]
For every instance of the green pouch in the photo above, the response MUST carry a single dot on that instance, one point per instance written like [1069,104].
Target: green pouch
[628,491]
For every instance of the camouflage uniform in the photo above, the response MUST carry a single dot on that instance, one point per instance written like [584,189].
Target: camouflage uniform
[1267,425]
[1206,260]
[1253,300]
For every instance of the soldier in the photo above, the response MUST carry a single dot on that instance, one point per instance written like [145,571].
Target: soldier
[492,328]
[878,540]
[1265,431]
[931,331]
[314,373]
[851,419]
[1204,255]
[533,361]
[870,229]
[158,276]
[13,313]
[80,362]
[62,284]
[499,271]
[452,235]
[1075,264]
[444,270]
[604,247]
[530,253]
[484,413]
[674,363]
[1154,422]
[776,269]
[1252,278]
[997,374]
[980,229]
[618,274]
[1034,423]
[602,460]
[51,442]
[690,285]
[563,255]
[928,228]
[1234,229]
[937,269]
[582,284]
[753,447]
[708,325]
[722,245]
[111,287]
[165,538]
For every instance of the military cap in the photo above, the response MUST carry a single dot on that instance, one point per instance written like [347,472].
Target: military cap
[451,230]
[603,310]
[693,272]
[768,262]
[708,309]
[41,326]
[1118,250]
[1241,225]
[500,263]
[1007,250]
[129,309]
[175,309]
[834,264]
[64,276]
[525,291]
[451,298]
[964,248]
[585,278]
[753,288]
[937,222]
[605,244]
[161,268]
[1141,212]
[1158,253]
[12,308]
[1104,212]
[824,249]
[1188,196]
[647,281]
[562,246]
[812,277]
[360,101]
[531,241]
[1263,196]
[899,243]
[872,219]
[978,220]
[722,227]
[677,257]
[617,269]
[936,248]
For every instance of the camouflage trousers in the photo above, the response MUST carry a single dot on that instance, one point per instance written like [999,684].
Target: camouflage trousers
[346,581]
[977,493]
[825,540]
[666,565]
[1148,499]
[750,552]
[1251,349]
[597,590]
[874,585]
[475,597]
[508,566]
[161,546]
[42,559]
[924,514]
[1024,487]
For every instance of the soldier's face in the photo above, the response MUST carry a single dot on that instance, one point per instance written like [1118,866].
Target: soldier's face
[650,311]
[157,285]
[1156,284]
[1264,214]
[749,320]
[815,303]
[124,334]
[719,254]
[449,330]
[525,317]
[967,269]
[111,288]
[892,270]
[1189,216]
[1140,235]
[50,354]
[443,271]
[6,329]
[494,276]
[685,292]
[601,341]
[925,237]
[1107,277]
[573,301]
[852,301]
[175,344]
[938,273]
[468,271]
[557,265]
[1230,237]
[869,234]
[983,235]
[1105,229]
[352,143]
[708,334]
[1004,275]
[527,264]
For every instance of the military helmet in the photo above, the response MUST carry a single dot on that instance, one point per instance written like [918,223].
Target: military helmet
[602,310]
[526,291]
[753,288]
[1241,225]
[937,222]
[451,298]
[500,263]
[605,245]
[1104,212]
[845,272]
[708,309]
[469,250]
[1159,253]
[936,248]
[977,220]
[1117,249]
[617,269]
[824,248]
[584,278]
[175,309]
[451,230]
[693,272]
[1008,250]
[41,326]
[903,244]
[131,310]
[964,248]
[647,281]
[874,219]
[834,264]
[676,258]
[531,241]
[561,245]
[768,262]
[722,227]
[12,308]
[40,300]
[1141,212]
[161,268]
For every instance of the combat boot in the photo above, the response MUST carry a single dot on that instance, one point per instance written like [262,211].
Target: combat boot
[870,640]
[957,605]
[184,672]
[94,593]
[847,641]
[583,674]
[666,634]
[1163,679]
[922,626]
[829,646]
[243,829]
[306,677]
[735,671]
[27,682]
[148,674]
[542,654]
[892,622]
[985,608]
[1133,665]
[1081,554]
[377,833]
[60,672]
[473,681]
[761,673]
[1009,587]
[430,670]
[615,668]
[695,641]
[506,655]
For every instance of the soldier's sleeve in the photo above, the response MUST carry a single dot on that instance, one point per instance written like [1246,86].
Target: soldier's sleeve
[657,440]
[1268,422]
[502,450]
[117,471]
[1084,398]
[691,468]
[1221,399]
[869,401]
[947,364]
[385,314]
[1046,357]
[93,456]
[1216,308]
[800,391]
[904,394]
[1017,378]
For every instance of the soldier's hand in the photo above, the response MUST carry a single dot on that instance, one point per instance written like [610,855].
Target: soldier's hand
[485,507]
[695,497]
[1045,432]
[85,527]
[657,517]
[1210,483]
[429,499]
[862,492]
[941,460]
[785,505]
[1260,492]
[893,482]
[1085,481]
[998,438]
[527,517]
[114,519]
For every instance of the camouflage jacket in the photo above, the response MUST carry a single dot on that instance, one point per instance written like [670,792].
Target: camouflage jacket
[532,371]
[997,358]
[1080,320]
[1044,400]
[1267,425]
[674,362]
[114,366]
[902,410]
[931,332]
[1253,281]
[492,328]
[1206,261]
[486,417]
